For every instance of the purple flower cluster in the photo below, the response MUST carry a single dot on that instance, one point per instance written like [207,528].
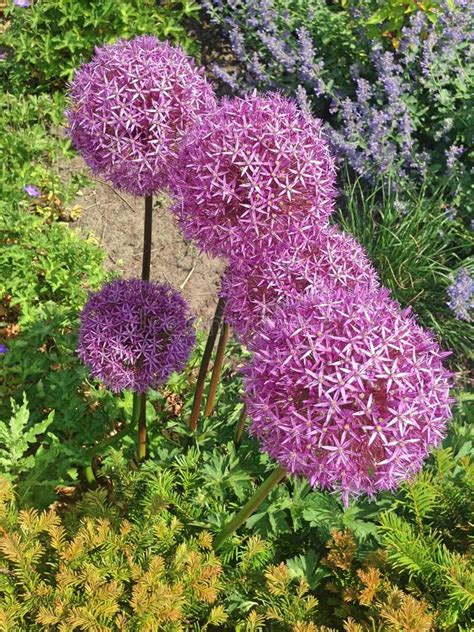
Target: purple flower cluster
[346,390]
[134,334]
[461,295]
[326,258]
[131,106]
[254,171]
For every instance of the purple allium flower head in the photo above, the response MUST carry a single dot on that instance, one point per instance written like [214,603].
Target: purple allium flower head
[347,390]
[461,295]
[32,190]
[134,334]
[131,106]
[251,173]
[3,348]
[22,3]
[329,257]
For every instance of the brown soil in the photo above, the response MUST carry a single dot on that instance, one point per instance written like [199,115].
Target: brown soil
[116,220]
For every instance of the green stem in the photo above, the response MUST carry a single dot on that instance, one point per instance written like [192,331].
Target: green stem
[88,470]
[146,265]
[239,430]
[216,371]
[250,506]
[141,404]
[206,358]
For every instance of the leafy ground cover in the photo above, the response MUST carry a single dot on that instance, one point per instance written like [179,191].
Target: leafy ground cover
[137,552]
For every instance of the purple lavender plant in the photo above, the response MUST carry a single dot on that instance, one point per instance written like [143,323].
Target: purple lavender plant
[327,258]
[252,173]
[401,116]
[134,334]
[131,106]
[347,391]
[461,295]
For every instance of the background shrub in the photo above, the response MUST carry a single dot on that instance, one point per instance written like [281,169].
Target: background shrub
[49,39]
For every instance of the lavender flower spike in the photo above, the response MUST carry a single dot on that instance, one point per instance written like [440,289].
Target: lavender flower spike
[254,171]
[347,390]
[134,334]
[461,295]
[131,106]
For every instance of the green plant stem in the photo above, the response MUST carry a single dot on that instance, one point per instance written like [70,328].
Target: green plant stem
[146,265]
[88,470]
[239,429]
[206,358]
[141,452]
[216,371]
[250,506]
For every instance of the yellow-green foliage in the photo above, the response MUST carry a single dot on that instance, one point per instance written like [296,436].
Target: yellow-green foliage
[102,577]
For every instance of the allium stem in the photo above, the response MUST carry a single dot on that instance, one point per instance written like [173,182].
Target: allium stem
[141,397]
[216,371]
[247,510]
[206,358]
[88,470]
[147,237]
[239,429]
[146,264]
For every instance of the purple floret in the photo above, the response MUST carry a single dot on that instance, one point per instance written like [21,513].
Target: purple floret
[130,107]
[250,174]
[134,334]
[3,348]
[32,190]
[347,390]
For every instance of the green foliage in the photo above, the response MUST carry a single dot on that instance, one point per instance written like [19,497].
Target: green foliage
[415,250]
[428,538]
[31,146]
[388,17]
[16,436]
[52,38]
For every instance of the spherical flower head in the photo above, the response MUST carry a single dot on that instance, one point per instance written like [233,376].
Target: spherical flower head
[347,390]
[22,3]
[134,334]
[254,288]
[250,173]
[3,348]
[130,107]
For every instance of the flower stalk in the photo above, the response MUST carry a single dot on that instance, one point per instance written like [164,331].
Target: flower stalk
[146,265]
[216,371]
[206,358]
[97,449]
[250,506]
[239,429]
